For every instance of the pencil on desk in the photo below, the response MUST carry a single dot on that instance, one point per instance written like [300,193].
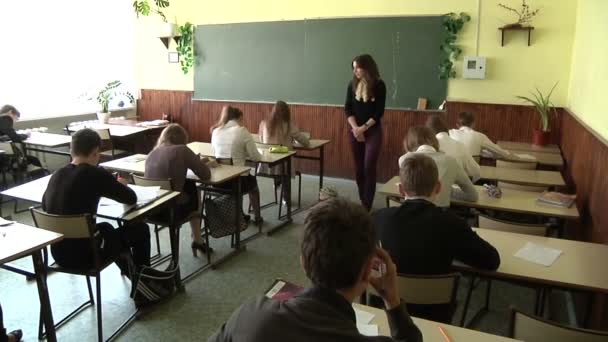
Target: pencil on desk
[445,334]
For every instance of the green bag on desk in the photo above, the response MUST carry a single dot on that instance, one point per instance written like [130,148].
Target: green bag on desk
[279,149]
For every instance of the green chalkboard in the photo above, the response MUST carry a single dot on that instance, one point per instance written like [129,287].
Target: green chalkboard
[308,61]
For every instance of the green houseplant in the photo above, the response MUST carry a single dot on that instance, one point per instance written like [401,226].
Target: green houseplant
[106,95]
[543,105]
[143,8]
[185,47]
[452,24]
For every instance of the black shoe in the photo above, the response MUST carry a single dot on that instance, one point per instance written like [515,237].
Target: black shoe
[17,335]
[200,247]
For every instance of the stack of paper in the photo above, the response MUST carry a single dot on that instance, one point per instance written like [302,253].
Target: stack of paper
[145,194]
[538,254]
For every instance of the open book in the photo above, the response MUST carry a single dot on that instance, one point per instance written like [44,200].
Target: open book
[556,199]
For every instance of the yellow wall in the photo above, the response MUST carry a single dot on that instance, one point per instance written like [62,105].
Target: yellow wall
[589,81]
[512,70]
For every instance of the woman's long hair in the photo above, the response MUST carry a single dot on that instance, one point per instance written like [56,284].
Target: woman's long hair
[371,75]
[280,118]
[174,134]
[228,113]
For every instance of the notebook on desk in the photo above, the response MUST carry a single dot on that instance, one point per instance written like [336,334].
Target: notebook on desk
[556,199]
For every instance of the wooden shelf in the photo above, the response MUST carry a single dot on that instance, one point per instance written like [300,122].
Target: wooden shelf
[166,40]
[514,28]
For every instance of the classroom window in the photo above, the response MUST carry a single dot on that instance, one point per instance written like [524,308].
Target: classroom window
[53,52]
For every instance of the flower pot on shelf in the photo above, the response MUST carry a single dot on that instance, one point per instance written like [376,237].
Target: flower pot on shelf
[104,118]
[541,138]
[168,30]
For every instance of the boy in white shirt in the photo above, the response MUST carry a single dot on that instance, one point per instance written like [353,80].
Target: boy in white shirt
[474,141]
[453,147]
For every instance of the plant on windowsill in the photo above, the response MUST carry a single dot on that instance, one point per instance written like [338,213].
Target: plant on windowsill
[543,107]
[185,47]
[452,23]
[106,95]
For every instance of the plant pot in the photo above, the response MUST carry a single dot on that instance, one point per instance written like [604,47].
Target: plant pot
[541,138]
[104,118]
[168,30]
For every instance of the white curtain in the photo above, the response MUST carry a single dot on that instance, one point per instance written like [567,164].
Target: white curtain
[54,52]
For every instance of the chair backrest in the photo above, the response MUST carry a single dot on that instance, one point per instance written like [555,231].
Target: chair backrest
[516,165]
[505,226]
[164,184]
[106,139]
[535,329]
[427,289]
[514,186]
[7,147]
[71,226]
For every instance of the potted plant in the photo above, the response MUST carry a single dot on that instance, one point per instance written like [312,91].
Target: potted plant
[107,94]
[543,107]
[185,47]
[524,16]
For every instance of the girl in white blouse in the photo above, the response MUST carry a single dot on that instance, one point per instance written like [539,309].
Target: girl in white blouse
[231,139]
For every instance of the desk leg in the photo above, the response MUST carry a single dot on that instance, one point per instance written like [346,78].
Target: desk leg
[174,239]
[287,191]
[321,166]
[43,294]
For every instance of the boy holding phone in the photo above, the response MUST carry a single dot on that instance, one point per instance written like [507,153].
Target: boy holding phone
[338,253]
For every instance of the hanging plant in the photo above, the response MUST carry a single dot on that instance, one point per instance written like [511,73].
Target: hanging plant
[453,24]
[185,47]
[142,7]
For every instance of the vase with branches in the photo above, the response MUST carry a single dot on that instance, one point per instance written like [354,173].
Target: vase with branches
[524,15]
[544,106]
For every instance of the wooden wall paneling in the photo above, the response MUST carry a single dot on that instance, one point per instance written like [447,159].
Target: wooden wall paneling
[585,172]
[500,122]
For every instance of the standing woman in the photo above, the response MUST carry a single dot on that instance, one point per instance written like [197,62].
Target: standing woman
[364,107]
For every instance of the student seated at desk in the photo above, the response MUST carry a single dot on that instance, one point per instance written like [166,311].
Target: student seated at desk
[230,139]
[453,147]
[278,130]
[338,253]
[475,141]
[8,116]
[171,158]
[421,140]
[422,238]
[76,189]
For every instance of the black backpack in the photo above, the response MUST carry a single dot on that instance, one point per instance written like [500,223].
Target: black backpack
[151,286]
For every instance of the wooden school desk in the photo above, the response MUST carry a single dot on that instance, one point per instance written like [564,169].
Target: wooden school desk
[519,146]
[17,241]
[271,159]
[520,176]
[219,175]
[511,201]
[315,144]
[430,329]
[47,143]
[33,191]
[575,269]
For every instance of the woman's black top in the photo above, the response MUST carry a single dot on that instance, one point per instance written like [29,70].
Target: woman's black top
[363,111]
